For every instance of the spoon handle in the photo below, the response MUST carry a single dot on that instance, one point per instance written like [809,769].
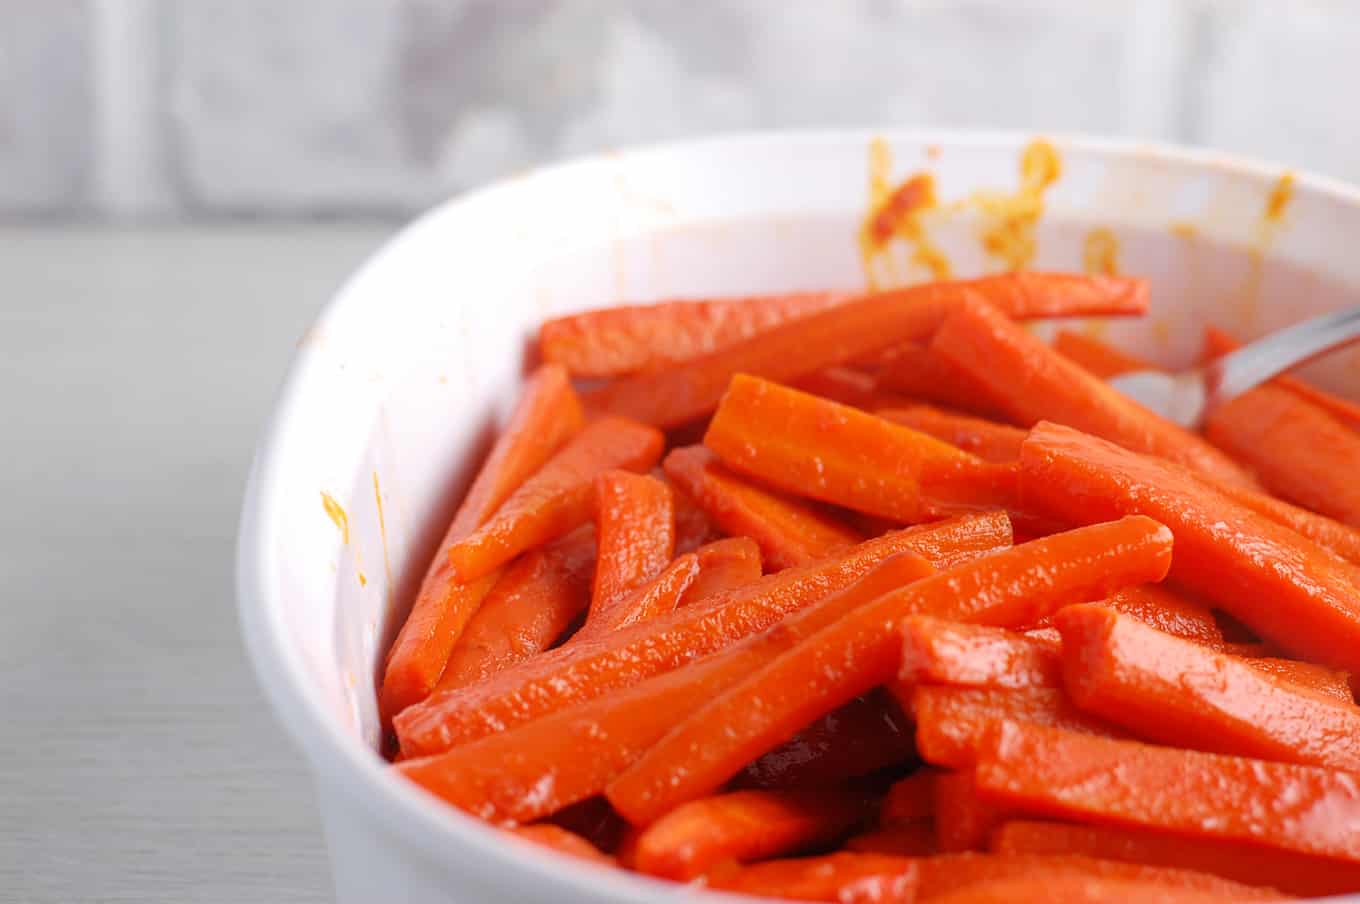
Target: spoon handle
[1254,363]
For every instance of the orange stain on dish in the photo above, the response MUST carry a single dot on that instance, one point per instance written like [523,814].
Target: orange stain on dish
[1100,252]
[382,531]
[337,514]
[1184,230]
[1011,219]
[1277,202]
[896,214]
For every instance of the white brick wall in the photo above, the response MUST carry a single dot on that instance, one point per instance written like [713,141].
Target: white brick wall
[256,107]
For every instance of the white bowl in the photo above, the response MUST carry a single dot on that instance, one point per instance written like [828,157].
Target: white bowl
[395,390]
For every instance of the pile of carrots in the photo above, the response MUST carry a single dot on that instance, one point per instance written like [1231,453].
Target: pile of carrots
[879,597]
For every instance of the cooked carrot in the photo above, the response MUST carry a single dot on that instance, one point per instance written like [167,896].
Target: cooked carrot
[919,373]
[1297,874]
[986,439]
[562,841]
[1217,342]
[907,839]
[856,329]
[861,650]
[745,826]
[936,651]
[1032,382]
[547,416]
[963,820]
[1282,585]
[867,734]
[1080,889]
[692,525]
[1166,610]
[558,679]
[818,448]
[788,531]
[635,536]
[1178,692]
[614,341]
[848,386]
[952,722]
[558,497]
[1319,678]
[531,606]
[1100,358]
[724,565]
[534,769]
[911,799]
[838,878]
[1042,770]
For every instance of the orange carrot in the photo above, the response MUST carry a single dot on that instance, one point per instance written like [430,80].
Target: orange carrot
[692,525]
[838,878]
[534,769]
[1083,889]
[724,565]
[861,650]
[745,826]
[1307,809]
[558,497]
[910,800]
[563,842]
[850,331]
[559,678]
[1319,678]
[856,388]
[548,414]
[986,439]
[1297,874]
[952,722]
[963,821]
[1179,692]
[1032,382]
[1217,342]
[919,373]
[1168,611]
[789,532]
[832,452]
[908,839]
[1282,585]
[944,652]
[1100,358]
[659,597]
[867,734]
[531,606]
[635,531]
[611,342]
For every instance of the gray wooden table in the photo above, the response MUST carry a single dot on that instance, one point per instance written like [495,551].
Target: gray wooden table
[138,762]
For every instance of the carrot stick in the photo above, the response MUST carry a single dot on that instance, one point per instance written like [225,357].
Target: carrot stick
[563,842]
[935,651]
[581,672]
[789,532]
[535,768]
[635,530]
[910,800]
[1280,584]
[919,373]
[659,597]
[986,439]
[861,650]
[963,821]
[1217,342]
[1285,806]
[724,565]
[1328,682]
[848,386]
[1100,358]
[1297,874]
[611,342]
[867,734]
[908,839]
[1165,610]
[744,826]
[838,878]
[850,331]
[558,497]
[952,722]
[831,452]
[548,414]
[531,606]
[1082,889]
[692,525]
[1181,693]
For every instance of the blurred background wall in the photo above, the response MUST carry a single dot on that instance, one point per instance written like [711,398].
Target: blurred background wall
[209,109]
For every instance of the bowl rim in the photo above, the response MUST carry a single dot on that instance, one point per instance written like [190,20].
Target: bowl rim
[402,809]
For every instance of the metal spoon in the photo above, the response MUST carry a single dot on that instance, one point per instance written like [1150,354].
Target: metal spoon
[1188,396]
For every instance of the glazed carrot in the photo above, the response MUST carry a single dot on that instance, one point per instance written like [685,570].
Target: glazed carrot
[548,414]
[915,371]
[560,678]
[858,328]
[832,452]
[724,565]
[986,439]
[1032,382]
[1181,693]
[911,799]
[1100,358]
[861,650]
[867,734]
[558,497]
[848,386]
[534,769]
[908,839]
[952,722]
[1217,342]
[963,820]
[614,341]
[1282,585]
[635,536]
[936,651]
[788,531]
[1081,889]
[745,826]
[661,596]
[692,525]
[1166,610]
[1319,678]
[1185,792]
[1297,874]
[838,878]
[563,842]
[531,606]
